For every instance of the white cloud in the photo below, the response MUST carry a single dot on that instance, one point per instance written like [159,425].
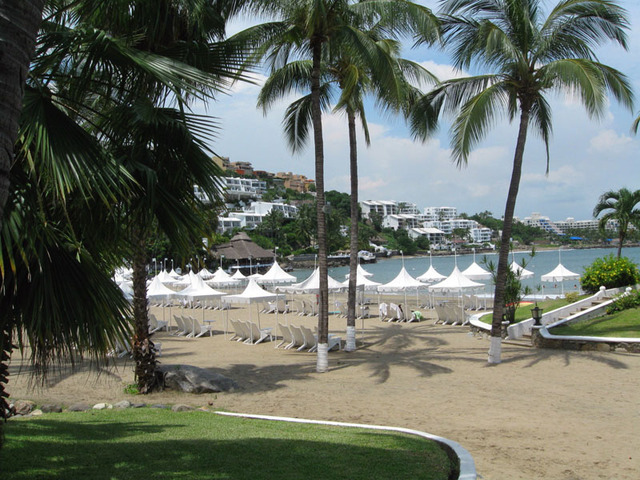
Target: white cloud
[608,141]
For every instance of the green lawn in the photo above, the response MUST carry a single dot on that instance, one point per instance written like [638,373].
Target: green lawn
[153,443]
[524,312]
[620,324]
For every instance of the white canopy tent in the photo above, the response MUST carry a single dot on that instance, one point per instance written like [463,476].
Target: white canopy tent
[519,270]
[560,274]
[360,272]
[158,292]
[165,277]
[253,293]
[276,274]
[456,283]
[402,283]
[205,274]
[198,290]
[221,278]
[312,284]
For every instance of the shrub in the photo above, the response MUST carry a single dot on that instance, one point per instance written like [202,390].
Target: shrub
[571,297]
[610,272]
[624,302]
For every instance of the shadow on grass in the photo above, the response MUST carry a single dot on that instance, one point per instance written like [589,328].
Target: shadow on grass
[52,449]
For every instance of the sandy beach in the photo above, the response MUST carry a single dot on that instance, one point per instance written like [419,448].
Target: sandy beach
[540,414]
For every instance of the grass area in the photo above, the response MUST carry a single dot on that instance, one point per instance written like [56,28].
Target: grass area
[154,443]
[523,312]
[620,324]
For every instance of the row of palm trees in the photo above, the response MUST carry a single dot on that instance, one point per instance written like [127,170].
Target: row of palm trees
[106,147]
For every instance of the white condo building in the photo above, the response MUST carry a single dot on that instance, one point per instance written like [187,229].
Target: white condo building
[253,215]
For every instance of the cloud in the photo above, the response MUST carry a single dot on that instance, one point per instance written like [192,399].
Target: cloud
[608,141]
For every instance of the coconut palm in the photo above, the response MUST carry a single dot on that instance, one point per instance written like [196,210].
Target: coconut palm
[19,22]
[528,55]
[309,30]
[623,206]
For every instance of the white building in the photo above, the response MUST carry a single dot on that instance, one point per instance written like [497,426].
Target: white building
[380,207]
[448,226]
[480,235]
[435,236]
[435,214]
[403,221]
[264,208]
[253,215]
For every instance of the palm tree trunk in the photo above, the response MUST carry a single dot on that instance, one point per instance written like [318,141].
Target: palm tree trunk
[495,348]
[353,255]
[19,22]
[6,348]
[322,364]
[143,350]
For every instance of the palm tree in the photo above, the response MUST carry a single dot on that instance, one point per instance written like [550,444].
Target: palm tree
[621,206]
[531,55]
[19,22]
[313,28]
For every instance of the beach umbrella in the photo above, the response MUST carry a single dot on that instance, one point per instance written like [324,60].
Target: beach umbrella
[457,283]
[560,274]
[221,278]
[159,292]
[205,274]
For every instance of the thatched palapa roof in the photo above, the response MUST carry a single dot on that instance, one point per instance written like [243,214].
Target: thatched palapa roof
[241,247]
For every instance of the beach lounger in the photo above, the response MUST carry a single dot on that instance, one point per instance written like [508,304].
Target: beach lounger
[298,338]
[156,325]
[198,329]
[256,334]
[287,337]
[383,310]
[310,339]
[241,331]
[181,328]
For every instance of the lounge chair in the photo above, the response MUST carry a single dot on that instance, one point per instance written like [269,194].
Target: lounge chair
[256,334]
[155,324]
[383,308]
[298,338]
[181,328]
[198,329]
[287,337]
[311,340]
[241,332]
[282,306]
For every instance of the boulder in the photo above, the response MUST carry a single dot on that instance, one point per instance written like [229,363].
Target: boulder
[23,407]
[102,406]
[37,412]
[181,408]
[52,408]
[123,404]
[79,407]
[190,379]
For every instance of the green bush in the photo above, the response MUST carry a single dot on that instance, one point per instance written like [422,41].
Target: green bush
[571,297]
[610,272]
[624,302]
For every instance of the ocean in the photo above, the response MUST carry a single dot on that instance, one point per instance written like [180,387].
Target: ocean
[385,270]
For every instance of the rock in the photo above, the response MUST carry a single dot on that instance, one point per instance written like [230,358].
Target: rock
[51,408]
[102,406]
[158,405]
[603,347]
[181,408]
[190,379]
[79,407]
[24,407]
[138,405]
[123,404]
[37,412]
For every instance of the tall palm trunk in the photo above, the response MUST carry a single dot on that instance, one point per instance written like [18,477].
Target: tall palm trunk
[143,349]
[353,256]
[19,22]
[495,348]
[322,364]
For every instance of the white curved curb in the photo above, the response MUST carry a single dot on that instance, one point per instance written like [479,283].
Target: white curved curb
[467,465]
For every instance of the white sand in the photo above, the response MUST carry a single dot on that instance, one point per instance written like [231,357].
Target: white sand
[540,414]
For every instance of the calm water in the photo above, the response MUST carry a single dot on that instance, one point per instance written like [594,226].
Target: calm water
[542,263]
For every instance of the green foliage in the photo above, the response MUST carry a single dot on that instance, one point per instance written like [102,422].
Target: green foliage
[131,389]
[514,291]
[571,297]
[610,272]
[624,302]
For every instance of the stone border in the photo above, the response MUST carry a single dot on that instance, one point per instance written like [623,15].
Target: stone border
[466,462]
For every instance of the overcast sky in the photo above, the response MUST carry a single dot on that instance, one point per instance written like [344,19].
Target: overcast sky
[588,156]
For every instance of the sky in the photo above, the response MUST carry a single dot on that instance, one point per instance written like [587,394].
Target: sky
[588,156]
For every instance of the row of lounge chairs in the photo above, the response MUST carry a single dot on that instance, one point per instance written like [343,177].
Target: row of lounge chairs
[451,314]
[362,311]
[188,326]
[394,313]
[248,332]
[302,338]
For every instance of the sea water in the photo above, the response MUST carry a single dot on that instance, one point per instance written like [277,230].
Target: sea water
[543,262]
